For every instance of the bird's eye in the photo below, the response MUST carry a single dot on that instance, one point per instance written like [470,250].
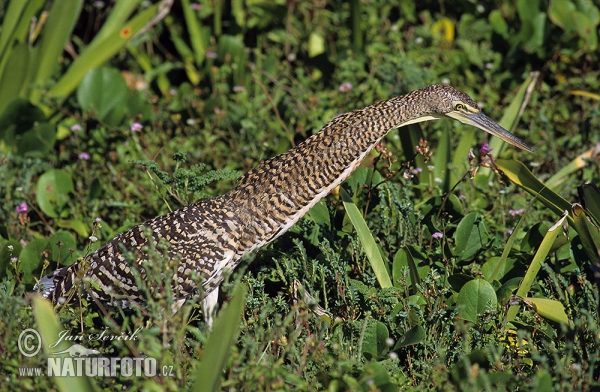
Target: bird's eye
[459,106]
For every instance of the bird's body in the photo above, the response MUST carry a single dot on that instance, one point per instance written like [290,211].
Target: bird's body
[214,234]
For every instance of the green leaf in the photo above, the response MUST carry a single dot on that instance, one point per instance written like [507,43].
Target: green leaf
[411,337]
[194,28]
[589,194]
[374,341]
[15,76]
[316,44]
[52,191]
[320,214]
[404,258]
[216,351]
[367,240]
[60,23]
[31,258]
[74,224]
[100,50]
[40,138]
[536,264]
[471,236]
[518,173]
[475,298]
[101,91]
[548,308]
[375,377]
[561,12]
[17,119]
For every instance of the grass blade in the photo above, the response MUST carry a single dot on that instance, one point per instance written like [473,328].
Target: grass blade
[96,54]
[49,328]
[367,240]
[219,343]
[535,265]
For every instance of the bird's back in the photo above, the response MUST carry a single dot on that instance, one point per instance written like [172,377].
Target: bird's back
[200,237]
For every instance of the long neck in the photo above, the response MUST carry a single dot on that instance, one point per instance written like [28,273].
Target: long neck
[270,198]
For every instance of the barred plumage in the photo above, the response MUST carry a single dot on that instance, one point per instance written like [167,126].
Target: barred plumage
[214,234]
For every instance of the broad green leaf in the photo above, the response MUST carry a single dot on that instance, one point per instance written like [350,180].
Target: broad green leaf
[15,77]
[560,13]
[40,138]
[375,377]
[411,337]
[404,258]
[74,224]
[535,265]
[367,240]
[101,91]
[19,118]
[320,214]
[52,191]
[374,339]
[49,327]
[520,175]
[216,351]
[586,29]
[31,258]
[470,237]
[548,308]
[475,298]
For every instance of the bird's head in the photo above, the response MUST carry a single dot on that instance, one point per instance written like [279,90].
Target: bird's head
[446,101]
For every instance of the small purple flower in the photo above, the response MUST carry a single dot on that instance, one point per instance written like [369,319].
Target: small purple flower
[13,259]
[237,89]
[76,128]
[437,234]
[98,220]
[345,87]
[471,155]
[509,231]
[211,55]
[416,170]
[98,4]
[195,6]
[485,148]
[173,91]
[84,155]
[516,212]
[22,208]
[136,127]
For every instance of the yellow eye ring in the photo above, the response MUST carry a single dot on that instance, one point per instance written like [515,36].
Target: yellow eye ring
[459,106]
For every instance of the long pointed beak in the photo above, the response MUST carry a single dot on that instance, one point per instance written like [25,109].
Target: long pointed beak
[483,122]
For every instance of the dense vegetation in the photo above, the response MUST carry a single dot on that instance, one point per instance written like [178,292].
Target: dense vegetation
[114,113]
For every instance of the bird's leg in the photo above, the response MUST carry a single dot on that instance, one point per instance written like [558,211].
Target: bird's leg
[209,304]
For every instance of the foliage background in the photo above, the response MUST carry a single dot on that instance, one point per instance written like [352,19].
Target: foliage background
[120,127]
